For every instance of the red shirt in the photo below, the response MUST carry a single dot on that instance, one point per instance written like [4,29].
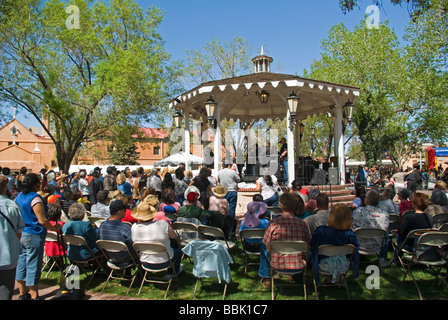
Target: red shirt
[284,228]
[404,206]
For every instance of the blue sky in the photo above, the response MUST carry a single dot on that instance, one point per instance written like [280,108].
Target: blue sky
[291,31]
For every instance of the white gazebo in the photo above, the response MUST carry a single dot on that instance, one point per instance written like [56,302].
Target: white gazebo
[264,95]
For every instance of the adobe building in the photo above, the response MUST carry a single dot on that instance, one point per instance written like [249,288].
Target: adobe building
[24,147]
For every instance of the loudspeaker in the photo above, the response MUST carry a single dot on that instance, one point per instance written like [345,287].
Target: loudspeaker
[319,177]
[333,176]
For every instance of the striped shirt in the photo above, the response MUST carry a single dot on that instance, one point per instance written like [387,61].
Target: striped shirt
[287,227]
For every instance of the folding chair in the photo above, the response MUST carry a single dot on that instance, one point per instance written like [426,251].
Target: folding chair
[52,236]
[250,234]
[443,227]
[332,251]
[286,248]
[187,231]
[371,241]
[439,219]
[78,241]
[113,247]
[401,251]
[217,235]
[171,216]
[275,211]
[96,220]
[432,239]
[210,260]
[152,248]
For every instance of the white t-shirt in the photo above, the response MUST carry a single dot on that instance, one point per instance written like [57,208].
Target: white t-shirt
[268,191]
[153,231]
[100,210]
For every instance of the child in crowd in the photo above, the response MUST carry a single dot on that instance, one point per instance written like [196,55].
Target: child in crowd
[217,201]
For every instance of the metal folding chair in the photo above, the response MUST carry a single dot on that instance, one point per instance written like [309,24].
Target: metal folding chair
[288,248]
[432,239]
[331,251]
[155,249]
[73,240]
[371,241]
[113,247]
[250,234]
[217,235]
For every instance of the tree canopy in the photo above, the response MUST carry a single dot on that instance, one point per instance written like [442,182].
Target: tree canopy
[111,70]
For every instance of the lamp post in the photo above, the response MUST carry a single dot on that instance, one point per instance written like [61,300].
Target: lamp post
[293,102]
[178,119]
[210,106]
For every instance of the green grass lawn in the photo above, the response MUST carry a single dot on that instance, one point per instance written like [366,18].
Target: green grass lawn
[248,288]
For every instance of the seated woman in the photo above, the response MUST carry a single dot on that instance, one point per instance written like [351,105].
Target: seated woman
[76,226]
[416,219]
[252,220]
[169,199]
[338,232]
[149,230]
[268,186]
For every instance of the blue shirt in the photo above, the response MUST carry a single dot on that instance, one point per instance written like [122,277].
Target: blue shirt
[85,230]
[10,247]
[116,230]
[32,225]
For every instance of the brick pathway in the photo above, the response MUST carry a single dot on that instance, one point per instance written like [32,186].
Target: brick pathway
[49,292]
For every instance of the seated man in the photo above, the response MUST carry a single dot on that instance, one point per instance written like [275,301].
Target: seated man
[371,216]
[387,202]
[101,208]
[284,227]
[320,218]
[114,229]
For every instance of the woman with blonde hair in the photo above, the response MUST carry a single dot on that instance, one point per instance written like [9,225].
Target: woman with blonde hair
[338,232]
[123,185]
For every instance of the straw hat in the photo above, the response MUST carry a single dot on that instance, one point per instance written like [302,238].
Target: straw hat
[219,190]
[62,176]
[151,199]
[441,184]
[144,212]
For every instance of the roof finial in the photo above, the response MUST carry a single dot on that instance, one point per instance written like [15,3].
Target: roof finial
[262,53]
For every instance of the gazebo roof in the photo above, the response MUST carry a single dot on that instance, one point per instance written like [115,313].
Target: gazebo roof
[237,97]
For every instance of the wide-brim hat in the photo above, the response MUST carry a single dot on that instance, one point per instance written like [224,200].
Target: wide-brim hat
[144,212]
[192,189]
[62,176]
[220,191]
[441,184]
[152,199]
[254,211]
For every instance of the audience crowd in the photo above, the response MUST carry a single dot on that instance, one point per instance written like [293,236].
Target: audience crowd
[130,206]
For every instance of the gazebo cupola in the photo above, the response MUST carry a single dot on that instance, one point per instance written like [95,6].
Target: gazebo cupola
[262,63]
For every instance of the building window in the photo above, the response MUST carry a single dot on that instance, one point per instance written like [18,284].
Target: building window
[156,151]
[54,163]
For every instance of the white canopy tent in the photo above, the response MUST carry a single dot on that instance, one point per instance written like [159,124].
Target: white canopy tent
[178,158]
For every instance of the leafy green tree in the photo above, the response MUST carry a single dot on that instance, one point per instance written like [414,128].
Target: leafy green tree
[373,60]
[218,60]
[110,69]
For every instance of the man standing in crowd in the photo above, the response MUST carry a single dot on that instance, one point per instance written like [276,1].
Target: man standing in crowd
[229,178]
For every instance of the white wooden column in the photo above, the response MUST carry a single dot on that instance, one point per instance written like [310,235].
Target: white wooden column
[339,143]
[217,142]
[290,142]
[187,139]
